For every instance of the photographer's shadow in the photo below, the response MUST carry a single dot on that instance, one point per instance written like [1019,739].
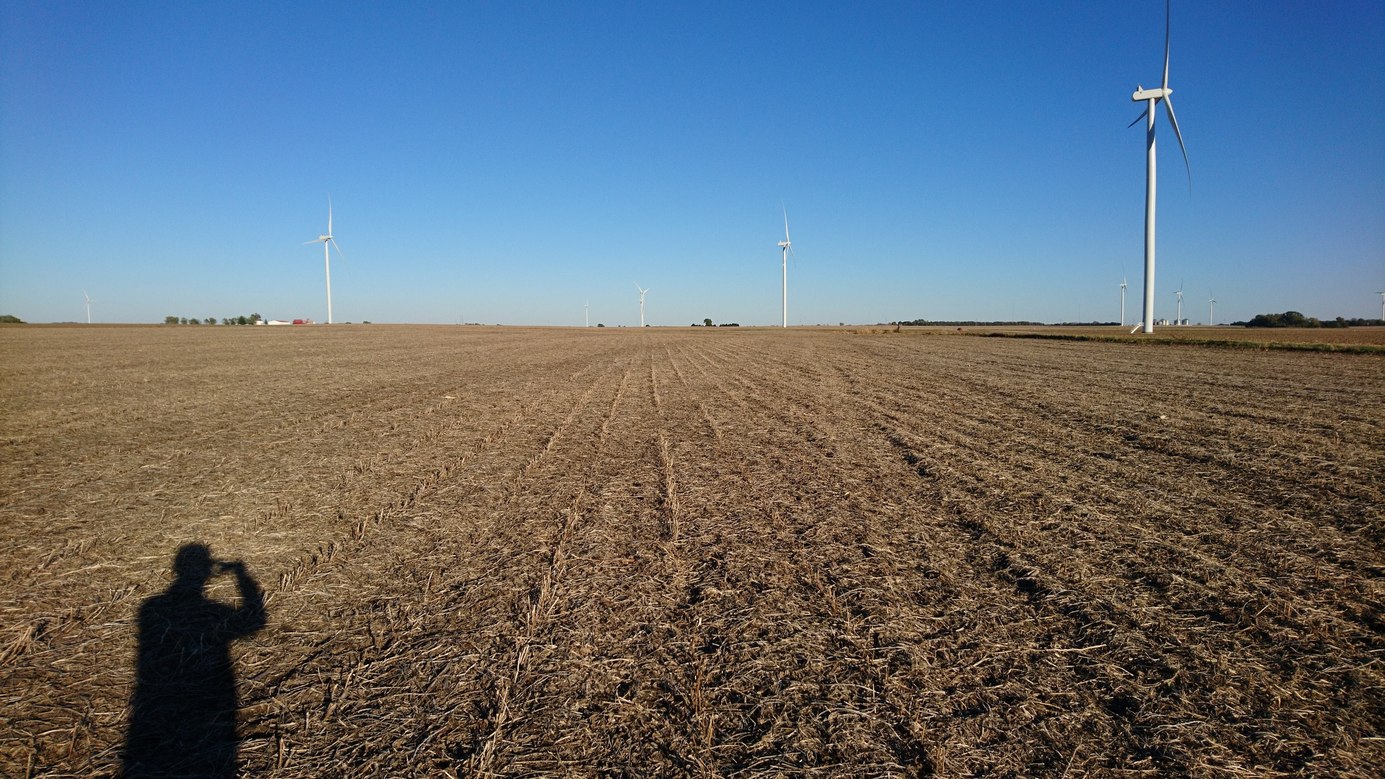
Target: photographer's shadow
[183,711]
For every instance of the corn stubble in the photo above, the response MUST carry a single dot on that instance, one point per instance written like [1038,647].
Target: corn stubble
[679,553]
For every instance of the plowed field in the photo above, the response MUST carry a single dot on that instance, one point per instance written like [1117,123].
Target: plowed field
[700,553]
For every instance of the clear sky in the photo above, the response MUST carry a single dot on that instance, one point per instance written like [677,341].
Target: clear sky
[506,162]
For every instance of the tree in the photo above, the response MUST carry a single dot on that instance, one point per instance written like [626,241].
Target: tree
[10,319]
[170,320]
[1286,319]
[242,320]
[255,319]
[211,320]
[707,322]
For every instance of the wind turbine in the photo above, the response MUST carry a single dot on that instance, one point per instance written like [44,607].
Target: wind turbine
[1211,301]
[1123,286]
[328,241]
[642,291]
[1382,304]
[785,249]
[1178,320]
[89,302]
[587,312]
[1151,98]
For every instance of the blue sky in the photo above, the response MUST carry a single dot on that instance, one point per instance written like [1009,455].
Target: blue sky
[506,162]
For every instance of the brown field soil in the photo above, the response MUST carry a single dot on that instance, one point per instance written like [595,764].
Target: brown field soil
[505,552]
[1192,334]
[1335,336]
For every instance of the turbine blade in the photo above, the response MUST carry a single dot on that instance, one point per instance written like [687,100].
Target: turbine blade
[315,240]
[340,253]
[1173,120]
[329,211]
[786,226]
[1138,118]
[1167,5]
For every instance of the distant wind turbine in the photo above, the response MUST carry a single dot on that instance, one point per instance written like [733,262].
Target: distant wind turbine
[328,241]
[642,291]
[1211,301]
[1382,305]
[785,249]
[1151,98]
[1123,286]
[89,302]
[587,313]
[1178,319]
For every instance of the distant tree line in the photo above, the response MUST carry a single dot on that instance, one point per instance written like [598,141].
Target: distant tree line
[10,319]
[253,319]
[708,323]
[1295,319]
[967,323]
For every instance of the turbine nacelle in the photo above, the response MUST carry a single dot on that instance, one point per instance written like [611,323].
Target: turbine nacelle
[1158,93]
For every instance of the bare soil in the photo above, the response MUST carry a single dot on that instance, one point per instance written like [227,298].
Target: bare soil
[1193,334]
[504,552]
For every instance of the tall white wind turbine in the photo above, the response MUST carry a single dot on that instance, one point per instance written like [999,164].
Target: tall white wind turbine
[1178,319]
[1211,301]
[642,291]
[1123,286]
[587,313]
[89,302]
[1151,99]
[1382,305]
[785,249]
[328,241]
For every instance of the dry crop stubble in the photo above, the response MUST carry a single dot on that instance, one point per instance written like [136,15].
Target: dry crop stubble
[703,553]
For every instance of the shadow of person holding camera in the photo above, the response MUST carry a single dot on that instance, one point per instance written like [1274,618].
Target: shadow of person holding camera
[183,711]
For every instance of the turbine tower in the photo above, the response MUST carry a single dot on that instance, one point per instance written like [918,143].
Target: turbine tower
[1211,301]
[1123,286]
[1151,99]
[1382,304]
[328,242]
[785,249]
[1178,320]
[642,291]
[587,313]
[89,302]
